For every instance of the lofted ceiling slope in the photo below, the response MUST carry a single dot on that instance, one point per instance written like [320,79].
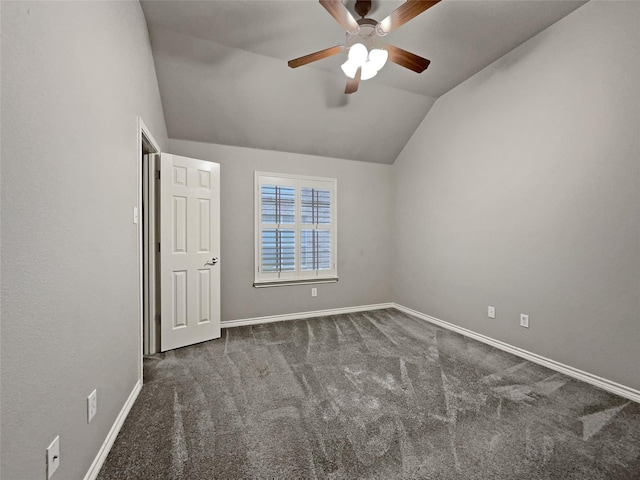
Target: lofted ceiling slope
[223,75]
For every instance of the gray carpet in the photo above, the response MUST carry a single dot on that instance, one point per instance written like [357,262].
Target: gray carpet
[368,395]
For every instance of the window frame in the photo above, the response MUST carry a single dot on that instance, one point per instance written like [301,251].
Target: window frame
[298,276]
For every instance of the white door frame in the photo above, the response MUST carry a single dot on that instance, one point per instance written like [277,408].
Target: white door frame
[145,140]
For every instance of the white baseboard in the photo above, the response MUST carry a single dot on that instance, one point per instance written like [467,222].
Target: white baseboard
[603,383]
[113,433]
[300,315]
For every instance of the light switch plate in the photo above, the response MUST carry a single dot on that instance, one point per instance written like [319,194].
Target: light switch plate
[53,457]
[491,312]
[92,405]
[524,320]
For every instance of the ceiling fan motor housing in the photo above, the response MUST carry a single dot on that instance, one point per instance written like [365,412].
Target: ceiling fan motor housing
[367,34]
[362,7]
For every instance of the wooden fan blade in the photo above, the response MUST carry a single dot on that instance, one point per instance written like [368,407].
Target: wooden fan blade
[341,14]
[404,13]
[407,59]
[352,83]
[313,57]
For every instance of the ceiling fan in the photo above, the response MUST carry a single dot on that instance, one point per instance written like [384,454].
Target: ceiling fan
[367,53]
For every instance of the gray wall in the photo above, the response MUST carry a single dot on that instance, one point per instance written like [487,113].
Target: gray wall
[364,236]
[521,190]
[74,77]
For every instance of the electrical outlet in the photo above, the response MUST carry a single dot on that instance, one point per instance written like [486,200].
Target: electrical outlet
[491,312]
[92,405]
[524,320]
[53,457]
[314,292]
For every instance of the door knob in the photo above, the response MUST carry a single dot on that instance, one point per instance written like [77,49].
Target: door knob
[213,261]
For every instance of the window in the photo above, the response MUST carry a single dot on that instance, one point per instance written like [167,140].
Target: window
[295,229]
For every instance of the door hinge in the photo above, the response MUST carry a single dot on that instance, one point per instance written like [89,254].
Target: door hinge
[157,174]
[158,247]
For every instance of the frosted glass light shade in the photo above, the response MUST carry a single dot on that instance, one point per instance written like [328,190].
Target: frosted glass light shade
[368,71]
[349,68]
[378,58]
[358,54]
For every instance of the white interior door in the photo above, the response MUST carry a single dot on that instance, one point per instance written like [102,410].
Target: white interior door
[189,251]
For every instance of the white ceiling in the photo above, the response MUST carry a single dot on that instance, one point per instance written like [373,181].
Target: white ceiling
[223,74]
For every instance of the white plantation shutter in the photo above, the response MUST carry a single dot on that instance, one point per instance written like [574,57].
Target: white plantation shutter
[315,250]
[277,220]
[315,228]
[278,250]
[295,229]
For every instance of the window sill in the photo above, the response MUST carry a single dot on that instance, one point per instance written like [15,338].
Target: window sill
[286,283]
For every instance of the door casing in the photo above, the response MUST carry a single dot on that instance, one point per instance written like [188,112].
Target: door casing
[147,146]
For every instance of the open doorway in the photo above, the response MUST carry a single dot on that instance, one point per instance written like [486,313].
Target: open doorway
[180,211]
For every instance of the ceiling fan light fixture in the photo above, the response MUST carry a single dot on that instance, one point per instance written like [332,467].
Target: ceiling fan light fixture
[362,64]
[370,62]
